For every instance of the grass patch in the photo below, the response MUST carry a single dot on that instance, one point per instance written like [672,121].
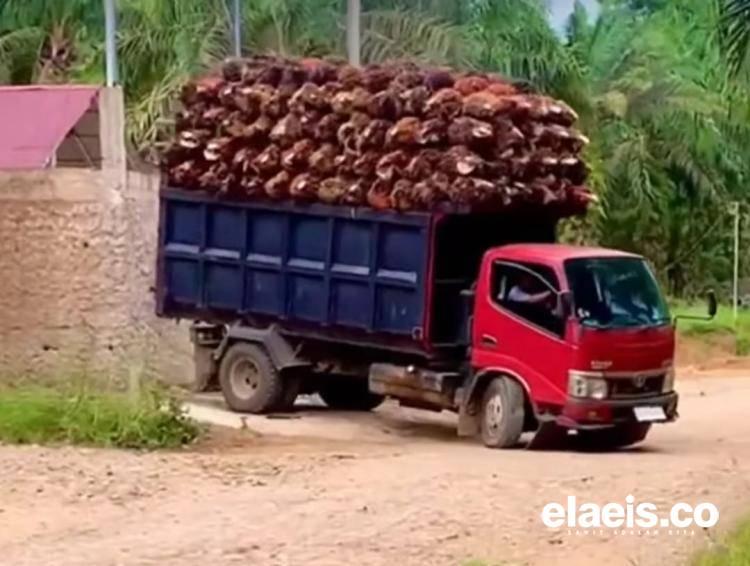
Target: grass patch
[722,324]
[148,418]
[733,551]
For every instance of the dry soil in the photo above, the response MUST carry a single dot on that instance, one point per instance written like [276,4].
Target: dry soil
[394,487]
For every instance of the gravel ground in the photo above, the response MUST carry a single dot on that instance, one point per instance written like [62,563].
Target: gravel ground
[392,487]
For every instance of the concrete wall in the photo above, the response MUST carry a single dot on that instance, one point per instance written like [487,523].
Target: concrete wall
[77,256]
[77,260]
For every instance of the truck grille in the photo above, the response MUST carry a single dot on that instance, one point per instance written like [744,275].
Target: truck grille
[628,387]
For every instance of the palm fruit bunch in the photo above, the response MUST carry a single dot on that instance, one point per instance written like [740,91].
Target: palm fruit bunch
[393,136]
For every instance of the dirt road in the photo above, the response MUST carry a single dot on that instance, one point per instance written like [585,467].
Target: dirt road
[400,490]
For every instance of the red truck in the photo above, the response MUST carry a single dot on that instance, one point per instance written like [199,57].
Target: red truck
[480,314]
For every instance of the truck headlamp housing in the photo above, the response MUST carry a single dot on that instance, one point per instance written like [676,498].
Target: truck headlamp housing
[585,386]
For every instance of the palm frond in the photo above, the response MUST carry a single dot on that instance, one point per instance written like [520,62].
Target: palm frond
[401,34]
[146,115]
[735,32]
[18,53]
[292,27]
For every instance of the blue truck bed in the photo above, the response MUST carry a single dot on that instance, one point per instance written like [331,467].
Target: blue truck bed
[349,275]
[312,267]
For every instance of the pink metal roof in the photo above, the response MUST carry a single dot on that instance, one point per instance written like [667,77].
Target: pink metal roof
[35,119]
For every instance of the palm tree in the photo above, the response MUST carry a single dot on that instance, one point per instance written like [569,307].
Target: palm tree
[390,29]
[163,43]
[735,32]
[514,37]
[665,130]
[43,41]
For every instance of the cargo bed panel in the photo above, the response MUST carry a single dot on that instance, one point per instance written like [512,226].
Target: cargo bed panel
[315,265]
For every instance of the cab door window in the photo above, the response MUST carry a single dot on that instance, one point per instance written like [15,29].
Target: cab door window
[529,291]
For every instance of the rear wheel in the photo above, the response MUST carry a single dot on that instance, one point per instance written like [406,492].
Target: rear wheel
[249,380]
[502,413]
[619,436]
[349,394]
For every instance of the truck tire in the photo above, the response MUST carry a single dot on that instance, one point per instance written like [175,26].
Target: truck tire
[348,394]
[502,414]
[249,380]
[619,436]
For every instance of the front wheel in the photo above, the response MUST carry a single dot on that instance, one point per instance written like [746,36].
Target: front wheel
[348,394]
[502,413]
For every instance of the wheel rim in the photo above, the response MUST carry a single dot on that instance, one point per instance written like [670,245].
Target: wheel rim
[245,378]
[493,413]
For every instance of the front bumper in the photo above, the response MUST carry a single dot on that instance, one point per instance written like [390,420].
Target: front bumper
[594,413]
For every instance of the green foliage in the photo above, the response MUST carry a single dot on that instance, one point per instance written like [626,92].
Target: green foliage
[735,33]
[401,34]
[292,27]
[513,37]
[78,414]
[667,152]
[723,324]
[742,347]
[734,551]
[161,44]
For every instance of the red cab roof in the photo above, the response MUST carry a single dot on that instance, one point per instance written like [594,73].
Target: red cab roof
[555,253]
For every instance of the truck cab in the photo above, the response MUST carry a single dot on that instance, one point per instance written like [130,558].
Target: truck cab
[583,334]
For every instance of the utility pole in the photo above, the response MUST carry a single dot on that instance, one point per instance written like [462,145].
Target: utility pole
[237,28]
[736,275]
[110,42]
[353,13]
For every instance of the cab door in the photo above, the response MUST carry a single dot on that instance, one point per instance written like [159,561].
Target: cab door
[525,339]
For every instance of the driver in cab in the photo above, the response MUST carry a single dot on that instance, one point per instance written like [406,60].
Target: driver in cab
[529,291]
[530,298]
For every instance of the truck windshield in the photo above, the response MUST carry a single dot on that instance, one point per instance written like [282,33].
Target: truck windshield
[615,292]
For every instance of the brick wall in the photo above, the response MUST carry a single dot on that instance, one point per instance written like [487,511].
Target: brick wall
[77,258]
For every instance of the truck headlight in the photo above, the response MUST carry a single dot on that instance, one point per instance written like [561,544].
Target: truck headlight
[585,386]
[668,385]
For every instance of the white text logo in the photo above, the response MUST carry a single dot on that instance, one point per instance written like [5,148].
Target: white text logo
[628,516]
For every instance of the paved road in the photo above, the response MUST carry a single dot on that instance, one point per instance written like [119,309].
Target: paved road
[393,487]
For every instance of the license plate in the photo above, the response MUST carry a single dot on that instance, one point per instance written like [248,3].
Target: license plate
[649,414]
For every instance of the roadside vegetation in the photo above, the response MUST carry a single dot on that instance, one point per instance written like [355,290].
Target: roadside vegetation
[79,413]
[734,551]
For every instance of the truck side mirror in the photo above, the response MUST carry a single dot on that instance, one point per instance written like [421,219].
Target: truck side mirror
[713,306]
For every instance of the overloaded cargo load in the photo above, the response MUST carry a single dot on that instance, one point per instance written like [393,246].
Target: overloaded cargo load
[393,136]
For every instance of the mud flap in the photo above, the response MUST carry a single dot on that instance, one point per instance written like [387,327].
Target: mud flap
[549,436]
